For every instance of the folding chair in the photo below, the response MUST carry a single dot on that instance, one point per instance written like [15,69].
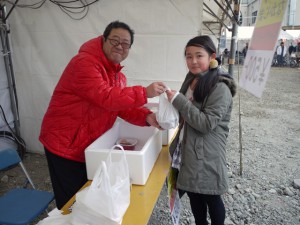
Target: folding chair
[20,206]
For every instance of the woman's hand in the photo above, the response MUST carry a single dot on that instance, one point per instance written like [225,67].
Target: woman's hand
[170,94]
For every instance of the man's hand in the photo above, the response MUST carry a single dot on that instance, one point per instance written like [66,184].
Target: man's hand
[151,119]
[155,89]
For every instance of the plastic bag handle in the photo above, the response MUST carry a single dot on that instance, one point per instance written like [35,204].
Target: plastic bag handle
[114,147]
[119,146]
[103,168]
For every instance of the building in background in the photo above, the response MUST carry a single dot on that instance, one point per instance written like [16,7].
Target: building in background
[250,8]
[249,11]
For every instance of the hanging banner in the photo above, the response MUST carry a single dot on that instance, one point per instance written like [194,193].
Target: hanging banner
[261,50]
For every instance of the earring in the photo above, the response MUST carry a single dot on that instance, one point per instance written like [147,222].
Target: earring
[213,64]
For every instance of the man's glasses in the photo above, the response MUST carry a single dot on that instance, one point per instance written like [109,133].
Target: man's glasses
[115,42]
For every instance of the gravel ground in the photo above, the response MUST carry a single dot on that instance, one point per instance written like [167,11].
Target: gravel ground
[268,190]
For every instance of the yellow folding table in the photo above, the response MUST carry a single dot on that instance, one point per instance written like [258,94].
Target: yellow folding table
[142,197]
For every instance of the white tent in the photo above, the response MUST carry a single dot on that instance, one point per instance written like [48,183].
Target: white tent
[285,35]
[44,37]
[245,33]
[294,33]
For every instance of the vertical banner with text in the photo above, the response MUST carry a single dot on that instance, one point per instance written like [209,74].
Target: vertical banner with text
[260,52]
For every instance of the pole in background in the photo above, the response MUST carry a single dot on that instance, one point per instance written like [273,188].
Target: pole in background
[235,21]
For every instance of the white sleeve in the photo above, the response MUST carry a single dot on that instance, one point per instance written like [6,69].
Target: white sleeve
[177,93]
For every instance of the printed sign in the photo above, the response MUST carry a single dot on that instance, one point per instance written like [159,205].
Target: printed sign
[175,207]
[174,199]
[261,49]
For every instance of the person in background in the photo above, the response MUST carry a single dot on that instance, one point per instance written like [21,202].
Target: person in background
[225,56]
[291,49]
[281,51]
[297,48]
[198,152]
[245,49]
[86,102]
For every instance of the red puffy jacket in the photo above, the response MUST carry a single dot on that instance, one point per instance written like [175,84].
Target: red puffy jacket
[89,96]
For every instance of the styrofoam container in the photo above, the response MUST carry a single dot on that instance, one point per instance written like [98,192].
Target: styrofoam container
[140,161]
[167,135]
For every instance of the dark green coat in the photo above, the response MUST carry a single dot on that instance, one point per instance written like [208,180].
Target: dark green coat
[203,166]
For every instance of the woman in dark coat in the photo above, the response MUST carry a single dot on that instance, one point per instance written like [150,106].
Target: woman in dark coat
[198,150]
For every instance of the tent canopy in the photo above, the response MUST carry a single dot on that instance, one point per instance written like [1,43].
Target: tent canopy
[44,40]
[245,33]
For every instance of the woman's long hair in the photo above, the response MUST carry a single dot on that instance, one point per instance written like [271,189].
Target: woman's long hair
[205,82]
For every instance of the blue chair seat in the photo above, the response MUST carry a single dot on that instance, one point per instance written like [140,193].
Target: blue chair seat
[21,206]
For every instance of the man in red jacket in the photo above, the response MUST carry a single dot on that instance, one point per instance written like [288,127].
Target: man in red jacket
[86,102]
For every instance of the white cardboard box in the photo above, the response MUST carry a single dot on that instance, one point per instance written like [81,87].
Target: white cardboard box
[140,161]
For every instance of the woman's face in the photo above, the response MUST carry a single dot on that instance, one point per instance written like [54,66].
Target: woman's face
[197,59]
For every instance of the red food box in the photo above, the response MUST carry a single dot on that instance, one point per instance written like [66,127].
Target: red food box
[127,143]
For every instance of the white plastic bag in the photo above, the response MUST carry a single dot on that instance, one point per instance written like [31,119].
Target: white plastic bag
[82,215]
[56,220]
[167,116]
[107,199]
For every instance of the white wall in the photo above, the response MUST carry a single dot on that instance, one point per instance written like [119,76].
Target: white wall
[45,39]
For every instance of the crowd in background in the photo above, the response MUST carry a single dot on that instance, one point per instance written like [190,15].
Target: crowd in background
[239,55]
[286,54]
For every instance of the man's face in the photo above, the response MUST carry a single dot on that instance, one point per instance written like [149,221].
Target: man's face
[116,47]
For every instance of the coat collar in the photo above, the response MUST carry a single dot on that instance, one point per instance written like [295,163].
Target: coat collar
[224,77]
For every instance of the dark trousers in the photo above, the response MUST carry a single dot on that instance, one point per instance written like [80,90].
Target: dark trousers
[280,60]
[200,203]
[67,177]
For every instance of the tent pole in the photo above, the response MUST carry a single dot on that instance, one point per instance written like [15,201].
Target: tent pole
[9,69]
[235,21]
[232,48]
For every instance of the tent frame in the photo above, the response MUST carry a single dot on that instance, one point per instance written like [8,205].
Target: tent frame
[6,51]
